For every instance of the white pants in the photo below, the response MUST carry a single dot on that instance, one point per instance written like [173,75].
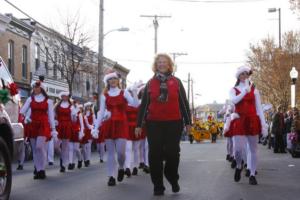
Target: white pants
[87,150]
[74,151]
[51,151]
[240,145]
[21,152]
[144,150]
[101,150]
[62,146]
[230,146]
[39,152]
[128,154]
[113,146]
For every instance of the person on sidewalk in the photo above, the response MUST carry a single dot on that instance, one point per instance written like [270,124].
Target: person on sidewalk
[249,124]
[115,100]
[165,109]
[278,130]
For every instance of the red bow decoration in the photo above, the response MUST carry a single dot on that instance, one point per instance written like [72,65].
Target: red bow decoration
[13,89]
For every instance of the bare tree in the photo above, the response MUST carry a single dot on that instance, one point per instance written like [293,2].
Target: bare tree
[272,66]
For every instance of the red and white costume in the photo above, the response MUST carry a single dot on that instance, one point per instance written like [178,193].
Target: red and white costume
[89,121]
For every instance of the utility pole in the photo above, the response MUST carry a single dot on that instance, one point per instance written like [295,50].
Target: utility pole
[189,77]
[155,24]
[100,51]
[174,55]
[192,91]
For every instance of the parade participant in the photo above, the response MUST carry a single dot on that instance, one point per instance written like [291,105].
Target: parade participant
[115,100]
[164,107]
[227,133]
[249,124]
[41,127]
[101,136]
[77,135]
[64,128]
[89,120]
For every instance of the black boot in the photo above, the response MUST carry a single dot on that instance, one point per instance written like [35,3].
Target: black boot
[70,166]
[42,174]
[146,169]
[237,175]
[247,174]
[37,175]
[101,161]
[62,169]
[128,172]
[142,165]
[34,171]
[121,173]
[111,181]
[20,167]
[50,163]
[86,163]
[228,157]
[252,180]
[79,164]
[175,187]
[134,171]
[159,190]
[233,164]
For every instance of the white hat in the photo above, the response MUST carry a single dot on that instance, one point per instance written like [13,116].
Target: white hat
[39,83]
[63,93]
[109,76]
[242,69]
[88,104]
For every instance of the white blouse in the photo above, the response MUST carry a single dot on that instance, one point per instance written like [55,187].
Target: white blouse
[114,92]
[39,98]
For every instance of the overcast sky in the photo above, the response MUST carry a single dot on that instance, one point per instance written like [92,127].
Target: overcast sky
[216,36]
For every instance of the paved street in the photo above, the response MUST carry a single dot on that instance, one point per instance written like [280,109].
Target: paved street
[205,175]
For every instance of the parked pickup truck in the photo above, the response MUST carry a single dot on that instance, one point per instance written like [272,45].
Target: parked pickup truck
[10,129]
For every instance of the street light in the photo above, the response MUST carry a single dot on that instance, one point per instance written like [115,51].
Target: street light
[122,29]
[294,76]
[271,10]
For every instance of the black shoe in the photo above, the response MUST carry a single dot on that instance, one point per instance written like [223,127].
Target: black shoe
[79,164]
[121,173]
[34,171]
[134,171]
[275,151]
[159,191]
[101,161]
[252,180]
[146,169]
[36,175]
[50,163]
[175,187]
[70,166]
[86,163]
[237,175]
[142,165]
[227,157]
[233,164]
[111,181]
[20,167]
[247,174]
[62,169]
[128,172]
[42,174]
[230,159]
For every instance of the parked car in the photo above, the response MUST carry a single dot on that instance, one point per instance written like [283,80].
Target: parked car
[10,129]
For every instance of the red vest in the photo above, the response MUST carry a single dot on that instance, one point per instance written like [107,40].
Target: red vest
[90,120]
[39,110]
[63,114]
[117,106]
[247,105]
[164,111]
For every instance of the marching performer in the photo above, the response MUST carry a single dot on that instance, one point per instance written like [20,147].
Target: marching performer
[101,136]
[249,124]
[64,128]
[89,120]
[115,100]
[227,133]
[77,135]
[41,127]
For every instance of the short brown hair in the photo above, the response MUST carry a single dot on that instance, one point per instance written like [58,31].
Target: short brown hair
[171,64]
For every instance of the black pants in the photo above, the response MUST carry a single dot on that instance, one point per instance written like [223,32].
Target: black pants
[279,143]
[164,138]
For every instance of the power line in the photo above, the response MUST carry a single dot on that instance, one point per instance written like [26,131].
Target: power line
[220,1]
[19,9]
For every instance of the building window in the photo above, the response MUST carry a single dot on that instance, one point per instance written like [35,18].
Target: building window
[55,65]
[11,55]
[37,56]
[47,61]
[24,62]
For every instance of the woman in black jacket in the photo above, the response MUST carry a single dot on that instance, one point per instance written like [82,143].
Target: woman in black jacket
[165,109]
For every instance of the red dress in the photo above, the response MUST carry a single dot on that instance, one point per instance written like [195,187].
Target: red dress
[76,129]
[229,132]
[117,124]
[39,125]
[87,132]
[248,122]
[64,127]
[132,113]
[102,132]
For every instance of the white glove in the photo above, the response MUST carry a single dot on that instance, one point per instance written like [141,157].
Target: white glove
[27,120]
[234,116]
[81,135]
[54,134]
[56,122]
[95,133]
